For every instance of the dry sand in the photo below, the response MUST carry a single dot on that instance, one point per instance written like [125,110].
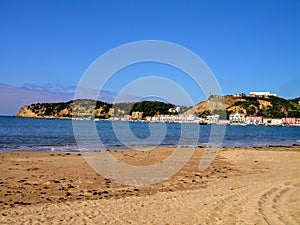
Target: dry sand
[242,186]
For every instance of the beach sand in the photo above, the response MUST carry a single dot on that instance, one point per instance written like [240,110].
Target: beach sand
[242,186]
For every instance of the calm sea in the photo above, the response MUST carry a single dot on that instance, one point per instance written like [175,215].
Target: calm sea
[28,134]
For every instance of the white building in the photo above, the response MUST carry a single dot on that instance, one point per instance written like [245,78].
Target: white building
[239,95]
[237,118]
[190,117]
[254,120]
[155,118]
[213,118]
[174,118]
[261,94]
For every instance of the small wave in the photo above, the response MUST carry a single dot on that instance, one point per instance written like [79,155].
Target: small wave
[40,148]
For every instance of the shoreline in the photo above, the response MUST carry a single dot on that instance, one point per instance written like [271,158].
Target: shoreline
[51,148]
[145,121]
[45,186]
[222,123]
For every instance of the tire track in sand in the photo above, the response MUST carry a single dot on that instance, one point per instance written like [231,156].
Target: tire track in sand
[279,205]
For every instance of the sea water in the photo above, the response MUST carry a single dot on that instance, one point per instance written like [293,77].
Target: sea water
[29,134]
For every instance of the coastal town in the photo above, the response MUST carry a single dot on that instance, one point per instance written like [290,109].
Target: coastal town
[236,118]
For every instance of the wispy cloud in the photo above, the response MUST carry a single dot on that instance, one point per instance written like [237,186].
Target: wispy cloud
[50,87]
[12,98]
[62,89]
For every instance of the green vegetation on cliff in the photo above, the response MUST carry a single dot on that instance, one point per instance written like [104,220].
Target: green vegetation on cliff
[151,108]
[83,108]
[268,107]
[277,107]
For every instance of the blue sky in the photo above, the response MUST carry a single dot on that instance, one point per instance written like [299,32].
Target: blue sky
[249,45]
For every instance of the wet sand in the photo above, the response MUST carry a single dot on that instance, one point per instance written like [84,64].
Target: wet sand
[242,186]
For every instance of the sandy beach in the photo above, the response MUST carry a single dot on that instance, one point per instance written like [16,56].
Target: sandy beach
[242,186]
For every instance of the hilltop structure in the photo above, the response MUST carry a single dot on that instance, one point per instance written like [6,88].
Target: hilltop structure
[261,94]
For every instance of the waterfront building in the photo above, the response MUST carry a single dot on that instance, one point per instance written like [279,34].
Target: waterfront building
[237,118]
[253,120]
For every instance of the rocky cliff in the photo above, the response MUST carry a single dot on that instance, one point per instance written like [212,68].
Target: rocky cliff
[81,108]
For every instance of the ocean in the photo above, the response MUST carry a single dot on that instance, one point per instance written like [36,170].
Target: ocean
[29,134]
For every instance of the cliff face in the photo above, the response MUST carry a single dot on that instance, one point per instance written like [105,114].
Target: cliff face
[215,103]
[25,111]
[81,108]
[272,107]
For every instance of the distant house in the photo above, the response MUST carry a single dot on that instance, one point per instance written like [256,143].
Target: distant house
[127,117]
[190,117]
[137,115]
[261,94]
[251,95]
[288,121]
[237,118]
[254,120]
[276,122]
[174,118]
[181,117]
[155,118]
[213,118]
[240,95]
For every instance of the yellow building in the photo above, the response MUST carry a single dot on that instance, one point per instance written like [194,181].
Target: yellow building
[137,115]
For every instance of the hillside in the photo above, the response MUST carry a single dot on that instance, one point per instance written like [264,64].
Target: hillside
[84,108]
[270,107]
